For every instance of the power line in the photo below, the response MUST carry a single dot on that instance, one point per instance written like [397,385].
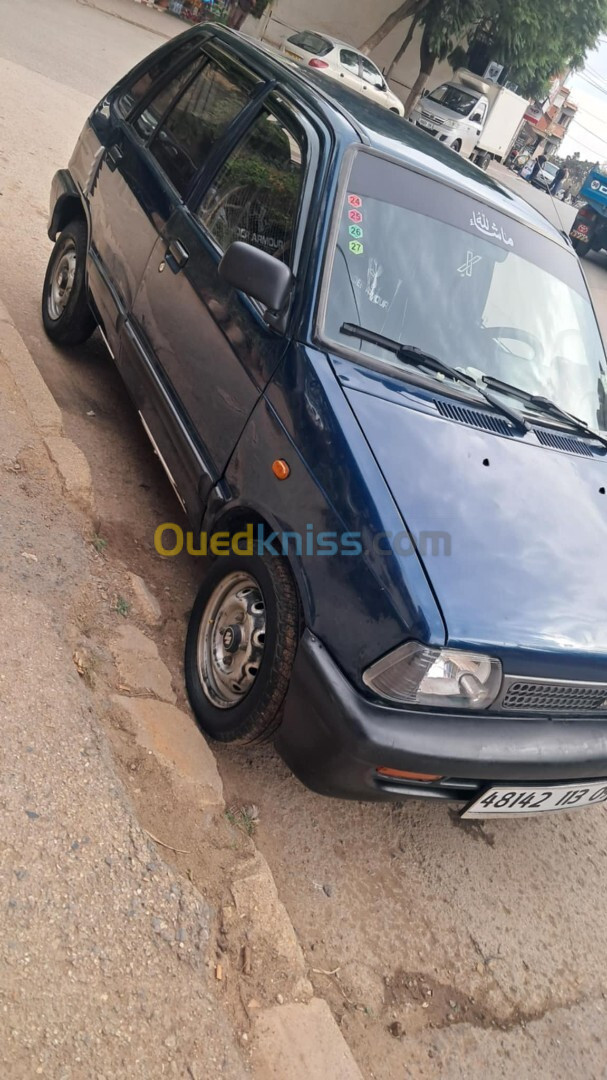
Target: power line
[593,83]
[588,132]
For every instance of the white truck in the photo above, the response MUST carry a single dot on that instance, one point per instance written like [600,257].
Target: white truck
[476,118]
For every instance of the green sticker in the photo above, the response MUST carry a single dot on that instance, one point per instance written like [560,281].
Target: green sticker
[356,247]
[356,232]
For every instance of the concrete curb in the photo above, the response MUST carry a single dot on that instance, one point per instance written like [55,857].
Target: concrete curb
[69,461]
[141,23]
[41,404]
[300,1039]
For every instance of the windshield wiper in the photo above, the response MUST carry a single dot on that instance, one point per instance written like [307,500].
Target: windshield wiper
[545,405]
[412,355]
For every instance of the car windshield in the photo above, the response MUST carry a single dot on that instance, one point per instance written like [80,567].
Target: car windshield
[451,97]
[436,268]
[550,168]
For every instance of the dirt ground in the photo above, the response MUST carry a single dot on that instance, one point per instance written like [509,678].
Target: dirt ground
[432,940]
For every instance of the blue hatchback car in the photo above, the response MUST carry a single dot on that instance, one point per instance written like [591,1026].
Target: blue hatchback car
[376,382]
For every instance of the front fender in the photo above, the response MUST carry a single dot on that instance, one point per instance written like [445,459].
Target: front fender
[360,601]
[65,203]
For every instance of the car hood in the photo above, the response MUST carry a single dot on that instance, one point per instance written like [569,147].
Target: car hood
[519,530]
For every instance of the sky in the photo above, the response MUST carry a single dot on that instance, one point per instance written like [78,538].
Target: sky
[588,132]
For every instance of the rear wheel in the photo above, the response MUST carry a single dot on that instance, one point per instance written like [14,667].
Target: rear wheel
[66,315]
[240,647]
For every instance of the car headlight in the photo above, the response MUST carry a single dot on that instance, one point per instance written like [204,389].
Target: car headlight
[415,674]
[450,124]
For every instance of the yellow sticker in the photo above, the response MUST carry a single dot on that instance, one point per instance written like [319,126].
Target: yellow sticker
[356,247]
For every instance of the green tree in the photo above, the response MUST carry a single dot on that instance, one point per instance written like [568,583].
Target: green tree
[445,23]
[534,39]
[409,8]
[538,39]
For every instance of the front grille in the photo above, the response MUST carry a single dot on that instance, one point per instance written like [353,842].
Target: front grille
[552,697]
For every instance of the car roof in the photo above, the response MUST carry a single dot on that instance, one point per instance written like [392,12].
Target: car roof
[387,132]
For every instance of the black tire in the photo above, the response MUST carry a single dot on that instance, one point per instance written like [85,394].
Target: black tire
[580,247]
[457,145]
[72,323]
[257,714]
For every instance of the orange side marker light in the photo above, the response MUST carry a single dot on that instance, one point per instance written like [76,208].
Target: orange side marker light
[281,469]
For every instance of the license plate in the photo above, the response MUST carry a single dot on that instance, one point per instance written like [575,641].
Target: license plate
[536,800]
[581,233]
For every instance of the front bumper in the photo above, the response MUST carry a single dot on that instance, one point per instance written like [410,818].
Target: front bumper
[334,739]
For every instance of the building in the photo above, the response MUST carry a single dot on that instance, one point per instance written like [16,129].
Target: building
[546,122]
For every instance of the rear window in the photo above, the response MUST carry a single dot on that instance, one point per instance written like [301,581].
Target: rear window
[312,43]
[160,66]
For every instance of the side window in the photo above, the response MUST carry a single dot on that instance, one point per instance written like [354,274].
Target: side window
[349,60]
[146,123]
[146,79]
[371,74]
[202,113]
[255,195]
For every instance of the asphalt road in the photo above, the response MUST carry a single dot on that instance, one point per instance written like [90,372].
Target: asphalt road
[485,943]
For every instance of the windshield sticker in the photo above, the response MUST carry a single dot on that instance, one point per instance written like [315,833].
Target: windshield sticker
[355,216]
[471,260]
[374,272]
[356,247]
[355,200]
[355,232]
[490,228]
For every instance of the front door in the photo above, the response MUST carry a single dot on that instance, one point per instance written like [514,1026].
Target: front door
[212,344]
[349,70]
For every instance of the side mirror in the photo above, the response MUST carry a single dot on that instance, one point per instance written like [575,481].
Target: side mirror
[477,118]
[259,275]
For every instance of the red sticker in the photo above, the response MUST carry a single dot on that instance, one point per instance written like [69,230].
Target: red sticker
[355,200]
[355,215]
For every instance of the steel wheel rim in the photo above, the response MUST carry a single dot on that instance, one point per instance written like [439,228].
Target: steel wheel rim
[231,640]
[62,281]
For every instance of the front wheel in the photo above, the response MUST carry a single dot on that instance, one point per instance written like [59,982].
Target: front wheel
[66,315]
[241,645]
[457,145]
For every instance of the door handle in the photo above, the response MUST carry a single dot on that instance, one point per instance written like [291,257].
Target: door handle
[176,256]
[113,157]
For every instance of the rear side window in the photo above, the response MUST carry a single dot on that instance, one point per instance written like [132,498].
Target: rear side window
[145,81]
[199,117]
[349,60]
[312,43]
[255,195]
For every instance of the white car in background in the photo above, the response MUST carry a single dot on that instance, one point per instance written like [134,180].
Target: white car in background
[344,64]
